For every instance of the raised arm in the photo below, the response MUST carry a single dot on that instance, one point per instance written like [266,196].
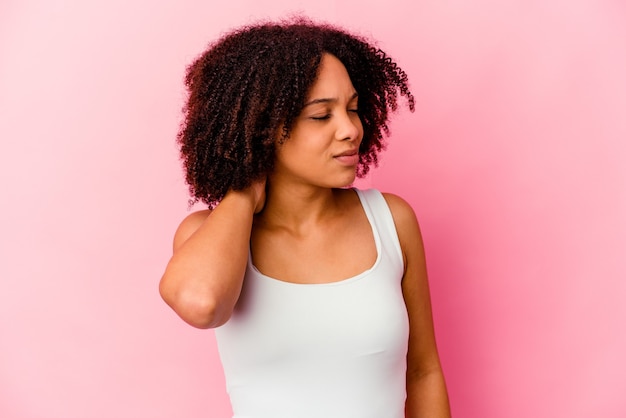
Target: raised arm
[203,279]
[425,384]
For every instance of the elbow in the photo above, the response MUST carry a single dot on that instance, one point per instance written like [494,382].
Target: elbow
[199,311]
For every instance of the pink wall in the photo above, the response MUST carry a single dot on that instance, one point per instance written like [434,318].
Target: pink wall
[514,162]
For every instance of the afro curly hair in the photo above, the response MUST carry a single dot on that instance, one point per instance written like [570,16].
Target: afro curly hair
[248,87]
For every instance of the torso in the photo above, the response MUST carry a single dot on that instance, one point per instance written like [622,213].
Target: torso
[335,348]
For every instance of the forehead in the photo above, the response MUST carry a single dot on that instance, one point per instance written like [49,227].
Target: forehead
[332,79]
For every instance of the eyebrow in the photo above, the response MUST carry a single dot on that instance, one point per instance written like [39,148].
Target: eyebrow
[328,100]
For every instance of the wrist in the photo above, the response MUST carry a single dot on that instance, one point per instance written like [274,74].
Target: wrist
[244,197]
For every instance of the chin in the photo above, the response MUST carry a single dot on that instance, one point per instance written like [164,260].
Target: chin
[338,180]
[347,182]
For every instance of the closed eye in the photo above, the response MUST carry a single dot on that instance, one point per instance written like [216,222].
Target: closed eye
[321,117]
[328,115]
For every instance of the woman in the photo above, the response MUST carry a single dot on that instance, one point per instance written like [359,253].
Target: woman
[318,292]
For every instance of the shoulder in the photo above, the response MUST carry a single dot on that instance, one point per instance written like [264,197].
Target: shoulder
[407,225]
[402,212]
[189,225]
[400,209]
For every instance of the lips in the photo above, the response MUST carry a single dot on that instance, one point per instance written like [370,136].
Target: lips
[350,157]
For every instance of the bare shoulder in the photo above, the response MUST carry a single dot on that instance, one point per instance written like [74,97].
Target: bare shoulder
[406,223]
[188,226]
[403,214]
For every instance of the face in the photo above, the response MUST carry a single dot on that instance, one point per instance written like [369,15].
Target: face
[323,147]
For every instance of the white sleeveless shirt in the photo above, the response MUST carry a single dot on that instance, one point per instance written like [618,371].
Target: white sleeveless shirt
[331,350]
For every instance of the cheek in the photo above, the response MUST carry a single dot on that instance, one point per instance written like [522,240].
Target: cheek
[292,153]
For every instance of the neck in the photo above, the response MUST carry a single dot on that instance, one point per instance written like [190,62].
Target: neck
[297,206]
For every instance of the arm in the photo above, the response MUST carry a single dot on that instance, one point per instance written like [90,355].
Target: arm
[203,279]
[427,396]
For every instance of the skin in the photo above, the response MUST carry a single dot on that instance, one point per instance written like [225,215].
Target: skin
[303,227]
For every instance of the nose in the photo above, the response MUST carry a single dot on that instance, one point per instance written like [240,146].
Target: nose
[350,127]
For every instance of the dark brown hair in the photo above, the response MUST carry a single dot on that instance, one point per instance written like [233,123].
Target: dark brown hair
[247,88]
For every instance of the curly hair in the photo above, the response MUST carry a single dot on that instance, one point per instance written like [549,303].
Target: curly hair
[248,87]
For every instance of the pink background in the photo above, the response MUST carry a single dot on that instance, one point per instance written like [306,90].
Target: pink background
[515,162]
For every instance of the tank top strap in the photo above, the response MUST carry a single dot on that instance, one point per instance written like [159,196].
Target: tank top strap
[381,219]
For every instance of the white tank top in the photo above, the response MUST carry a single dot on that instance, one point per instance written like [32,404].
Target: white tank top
[332,350]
